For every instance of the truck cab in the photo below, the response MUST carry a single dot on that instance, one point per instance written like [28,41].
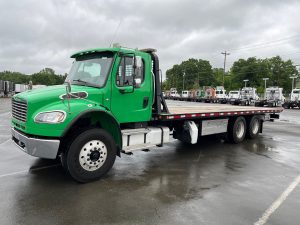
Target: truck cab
[249,95]
[274,96]
[185,94]
[174,93]
[234,97]
[221,95]
[295,94]
[294,99]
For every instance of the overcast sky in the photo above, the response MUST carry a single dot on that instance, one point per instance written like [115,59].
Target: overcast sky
[39,34]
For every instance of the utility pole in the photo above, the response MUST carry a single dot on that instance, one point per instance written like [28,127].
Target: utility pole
[265,79]
[225,55]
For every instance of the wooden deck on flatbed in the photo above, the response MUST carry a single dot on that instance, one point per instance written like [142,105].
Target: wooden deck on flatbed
[198,110]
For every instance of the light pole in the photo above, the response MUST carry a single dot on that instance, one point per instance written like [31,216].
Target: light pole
[265,79]
[293,81]
[183,80]
[245,82]
[225,55]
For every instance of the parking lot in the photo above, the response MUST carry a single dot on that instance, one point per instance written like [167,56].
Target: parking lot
[209,183]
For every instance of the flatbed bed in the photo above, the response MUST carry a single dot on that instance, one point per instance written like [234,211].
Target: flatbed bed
[182,111]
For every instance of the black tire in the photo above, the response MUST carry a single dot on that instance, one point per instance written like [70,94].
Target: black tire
[70,158]
[253,127]
[233,135]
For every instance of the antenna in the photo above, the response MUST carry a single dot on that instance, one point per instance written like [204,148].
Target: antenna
[115,34]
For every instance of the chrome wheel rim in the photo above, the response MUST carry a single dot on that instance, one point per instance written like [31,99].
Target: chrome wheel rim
[240,129]
[93,155]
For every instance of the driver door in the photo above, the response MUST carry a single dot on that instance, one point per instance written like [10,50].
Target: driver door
[128,102]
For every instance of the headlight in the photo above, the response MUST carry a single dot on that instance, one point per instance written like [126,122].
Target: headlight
[50,117]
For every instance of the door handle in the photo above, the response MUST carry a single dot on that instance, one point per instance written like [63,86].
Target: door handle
[145,102]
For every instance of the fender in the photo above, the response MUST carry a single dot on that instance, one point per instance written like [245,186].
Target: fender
[115,126]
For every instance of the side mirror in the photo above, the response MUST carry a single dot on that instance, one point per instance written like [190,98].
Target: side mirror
[30,85]
[68,87]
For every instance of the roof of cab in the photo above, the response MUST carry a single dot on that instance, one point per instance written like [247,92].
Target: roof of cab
[89,51]
[114,49]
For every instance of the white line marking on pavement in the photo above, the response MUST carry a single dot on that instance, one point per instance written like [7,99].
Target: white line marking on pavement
[278,202]
[4,114]
[4,142]
[25,171]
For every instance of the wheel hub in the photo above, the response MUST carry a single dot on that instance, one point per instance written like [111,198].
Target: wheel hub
[93,155]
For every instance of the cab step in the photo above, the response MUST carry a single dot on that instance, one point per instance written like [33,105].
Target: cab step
[129,149]
[144,138]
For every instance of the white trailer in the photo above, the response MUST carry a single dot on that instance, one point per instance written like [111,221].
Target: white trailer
[20,88]
[1,88]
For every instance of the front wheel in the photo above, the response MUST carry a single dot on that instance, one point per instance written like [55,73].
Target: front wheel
[90,155]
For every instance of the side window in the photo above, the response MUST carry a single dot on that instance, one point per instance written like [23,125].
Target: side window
[140,71]
[125,72]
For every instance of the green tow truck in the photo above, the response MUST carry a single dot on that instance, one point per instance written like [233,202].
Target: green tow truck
[111,103]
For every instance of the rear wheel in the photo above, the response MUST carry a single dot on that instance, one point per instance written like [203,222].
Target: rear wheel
[253,127]
[90,155]
[236,130]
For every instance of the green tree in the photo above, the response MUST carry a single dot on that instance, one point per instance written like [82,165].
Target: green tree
[190,74]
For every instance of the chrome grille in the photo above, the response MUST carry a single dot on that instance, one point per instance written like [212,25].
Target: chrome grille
[19,110]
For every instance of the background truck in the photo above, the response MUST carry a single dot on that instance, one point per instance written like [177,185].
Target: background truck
[294,99]
[111,104]
[234,97]
[221,95]
[273,97]
[185,94]
[209,94]
[174,94]
[248,95]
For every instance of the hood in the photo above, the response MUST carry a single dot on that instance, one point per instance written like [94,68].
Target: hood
[53,93]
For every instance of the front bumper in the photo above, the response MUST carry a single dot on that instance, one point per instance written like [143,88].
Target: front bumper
[42,148]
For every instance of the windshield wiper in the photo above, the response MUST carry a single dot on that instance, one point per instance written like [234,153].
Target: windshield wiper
[81,81]
[85,83]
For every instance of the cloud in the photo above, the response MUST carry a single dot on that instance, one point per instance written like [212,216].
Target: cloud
[38,34]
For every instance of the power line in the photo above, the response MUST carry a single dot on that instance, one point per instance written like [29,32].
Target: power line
[269,43]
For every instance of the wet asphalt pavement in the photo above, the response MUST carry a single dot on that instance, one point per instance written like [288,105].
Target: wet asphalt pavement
[208,183]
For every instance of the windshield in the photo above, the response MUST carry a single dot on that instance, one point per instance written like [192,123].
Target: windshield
[296,91]
[91,70]
[233,92]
